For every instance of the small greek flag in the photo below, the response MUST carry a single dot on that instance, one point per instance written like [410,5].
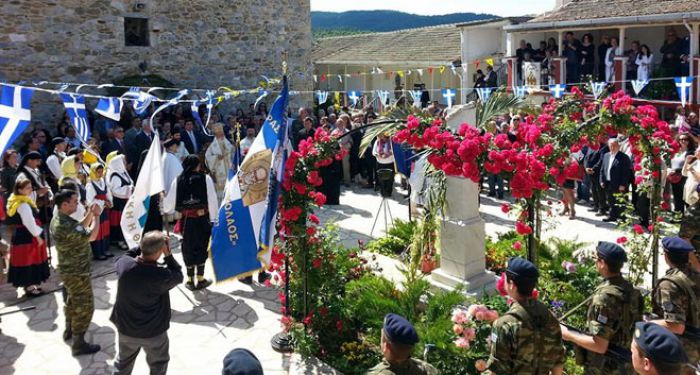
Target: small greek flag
[354,96]
[75,107]
[110,108]
[15,113]
[597,88]
[383,96]
[520,91]
[449,95]
[683,85]
[557,90]
[416,94]
[322,97]
[141,100]
[484,93]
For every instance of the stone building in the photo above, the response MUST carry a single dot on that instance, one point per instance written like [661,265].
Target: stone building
[193,44]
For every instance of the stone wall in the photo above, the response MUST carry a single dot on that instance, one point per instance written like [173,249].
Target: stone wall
[193,43]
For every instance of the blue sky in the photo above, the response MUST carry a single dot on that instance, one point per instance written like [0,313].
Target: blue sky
[498,7]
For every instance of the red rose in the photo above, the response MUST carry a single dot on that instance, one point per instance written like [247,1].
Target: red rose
[310,231]
[622,240]
[316,263]
[518,245]
[314,219]
[522,228]
[638,229]
[320,199]
[505,208]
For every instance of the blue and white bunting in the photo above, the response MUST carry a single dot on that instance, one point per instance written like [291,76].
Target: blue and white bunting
[484,93]
[110,108]
[597,89]
[449,95]
[558,90]
[262,94]
[75,108]
[322,97]
[383,96]
[15,113]
[354,96]
[141,99]
[240,241]
[638,86]
[520,91]
[683,85]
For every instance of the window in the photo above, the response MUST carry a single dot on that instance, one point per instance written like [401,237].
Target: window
[136,32]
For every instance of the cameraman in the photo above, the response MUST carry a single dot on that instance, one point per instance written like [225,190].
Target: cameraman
[142,310]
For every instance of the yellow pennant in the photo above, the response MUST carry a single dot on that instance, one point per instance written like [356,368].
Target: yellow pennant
[489,62]
[400,73]
[442,69]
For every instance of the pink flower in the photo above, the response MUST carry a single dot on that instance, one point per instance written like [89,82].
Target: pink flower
[460,316]
[458,329]
[462,343]
[522,228]
[535,294]
[469,334]
[638,229]
[501,285]
[518,245]
[505,208]
[568,266]
[491,316]
[622,240]
[480,365]
[314,219]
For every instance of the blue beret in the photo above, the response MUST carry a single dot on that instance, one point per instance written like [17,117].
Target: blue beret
[241,362]
[521,268]
[659,344]
[676,245]
[611,252]
[399,330]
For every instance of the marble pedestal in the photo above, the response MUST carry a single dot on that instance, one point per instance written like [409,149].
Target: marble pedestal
[463,242]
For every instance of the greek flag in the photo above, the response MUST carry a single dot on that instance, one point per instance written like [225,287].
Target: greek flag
[15,113]
[683,85]
[383,96]
[354,96]
[110,108]
[520,91]
[241,239]
[141,100]
[557,90]
[75,107]
[484,93]
[415,95]
[449,95]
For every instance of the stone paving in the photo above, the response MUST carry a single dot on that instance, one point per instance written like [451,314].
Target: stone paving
[207,324]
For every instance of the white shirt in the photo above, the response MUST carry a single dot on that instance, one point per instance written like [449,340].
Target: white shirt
[116,188]
[690,194]
[91,192]
[195,146]
[387,159]
[54,166]
[212,200]
[245,145]
[27,217]
[610,163]
[171,169]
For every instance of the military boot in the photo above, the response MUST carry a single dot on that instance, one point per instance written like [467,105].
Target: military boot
[81,347]
[68,332]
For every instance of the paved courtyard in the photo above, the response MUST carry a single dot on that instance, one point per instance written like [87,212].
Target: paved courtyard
[207,324]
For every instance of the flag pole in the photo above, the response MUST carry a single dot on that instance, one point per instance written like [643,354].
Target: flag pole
[282,341]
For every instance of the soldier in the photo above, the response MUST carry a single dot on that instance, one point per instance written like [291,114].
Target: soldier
[398,339]
[194,196]
[74,256]
[615,306]
[527,339]
[657,351]
[676,298]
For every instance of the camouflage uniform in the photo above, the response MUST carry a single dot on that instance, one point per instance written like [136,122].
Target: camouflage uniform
[690,227]
[615,307]
[677,300]
[74,257]
[410,367]
[525,341]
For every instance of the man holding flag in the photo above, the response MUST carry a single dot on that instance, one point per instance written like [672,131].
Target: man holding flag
[241,240]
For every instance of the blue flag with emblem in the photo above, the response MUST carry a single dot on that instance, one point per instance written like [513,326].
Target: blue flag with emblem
[240,240]
[403,157]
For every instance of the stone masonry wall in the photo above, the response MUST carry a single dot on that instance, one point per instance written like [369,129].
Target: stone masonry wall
[193,43]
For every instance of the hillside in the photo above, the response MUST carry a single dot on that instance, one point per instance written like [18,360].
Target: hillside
[354,22]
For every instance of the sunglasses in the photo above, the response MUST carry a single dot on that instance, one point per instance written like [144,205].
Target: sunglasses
[684,139]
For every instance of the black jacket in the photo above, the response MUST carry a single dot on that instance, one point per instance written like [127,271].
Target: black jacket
[594,158]
[142,308]
[188,142]
[620,173]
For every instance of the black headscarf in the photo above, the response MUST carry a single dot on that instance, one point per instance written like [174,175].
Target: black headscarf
[190,164]
[32,155]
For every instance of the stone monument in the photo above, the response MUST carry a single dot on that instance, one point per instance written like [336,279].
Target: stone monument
[463,236]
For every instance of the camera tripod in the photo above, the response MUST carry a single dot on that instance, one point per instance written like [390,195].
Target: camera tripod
[384,206]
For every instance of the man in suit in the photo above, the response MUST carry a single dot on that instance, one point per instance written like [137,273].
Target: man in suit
[306,132]
[116,143]
[191,138]
[615,176]
[142,142]
[593,162]
[491,77]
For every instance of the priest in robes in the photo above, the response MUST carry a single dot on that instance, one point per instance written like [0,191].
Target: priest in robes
[218,159]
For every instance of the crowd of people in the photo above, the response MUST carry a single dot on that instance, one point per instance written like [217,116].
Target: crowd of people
[585,61]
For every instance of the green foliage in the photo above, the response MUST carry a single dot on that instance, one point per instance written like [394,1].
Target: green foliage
[499,103]
[498,251]
[330,33]
[396,241]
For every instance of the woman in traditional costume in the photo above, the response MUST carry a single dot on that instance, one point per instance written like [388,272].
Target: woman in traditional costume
[98,192]
[121,186]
